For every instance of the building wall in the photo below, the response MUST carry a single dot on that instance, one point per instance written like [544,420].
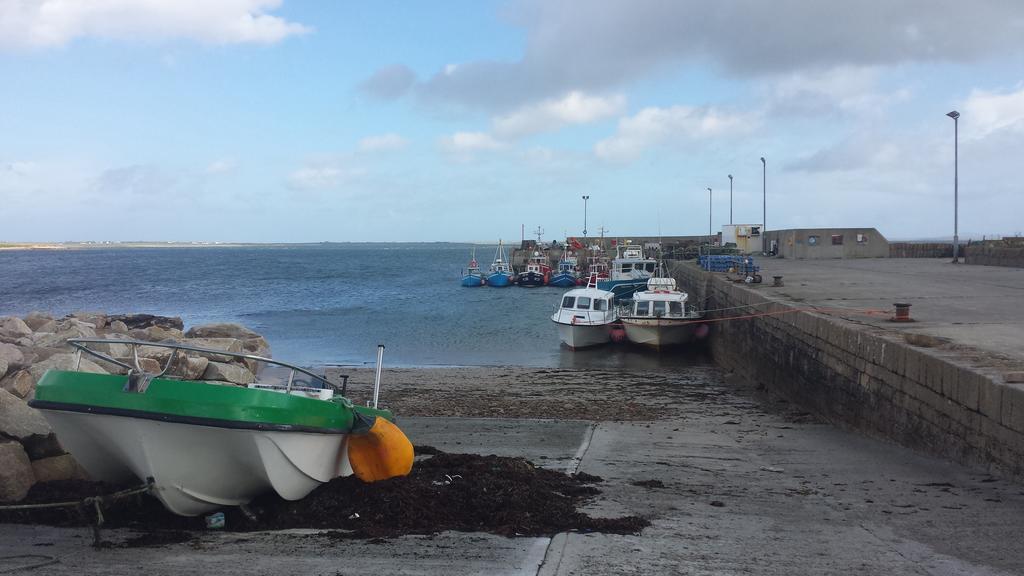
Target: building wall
[921,250]
[1006,252]
[818,243]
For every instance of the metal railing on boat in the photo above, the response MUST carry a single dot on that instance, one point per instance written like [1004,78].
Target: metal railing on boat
[82,345]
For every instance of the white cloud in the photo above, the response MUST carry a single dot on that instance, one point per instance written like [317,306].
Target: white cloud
[847,89]
[573,108]
[220,166]
[322,175]
[987,112]
[50,23]
[469,142]
[657,126]
[383,143]
[18,168]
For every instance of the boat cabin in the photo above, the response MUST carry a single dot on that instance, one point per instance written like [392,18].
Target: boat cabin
[660,308]
[586,303]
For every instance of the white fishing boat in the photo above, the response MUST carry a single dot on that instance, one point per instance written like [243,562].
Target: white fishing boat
[660,316]
[585,316]
[630,270]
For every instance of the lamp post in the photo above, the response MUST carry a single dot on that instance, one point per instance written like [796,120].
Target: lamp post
[585,198]
[730,199]
[956,185]
[764,206]
[709,221]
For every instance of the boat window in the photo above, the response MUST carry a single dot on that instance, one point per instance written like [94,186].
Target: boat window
[659,308]
[600,305]
[650,266]
[583,303]
[627,267]
[642,309]
[675,308]
[568,301]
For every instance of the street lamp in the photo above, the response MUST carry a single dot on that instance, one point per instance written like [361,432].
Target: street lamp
[585,198]
[956,185]
[709,220]
[764,206]
[730,199]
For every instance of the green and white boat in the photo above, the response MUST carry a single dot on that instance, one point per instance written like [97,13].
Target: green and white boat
[203,445]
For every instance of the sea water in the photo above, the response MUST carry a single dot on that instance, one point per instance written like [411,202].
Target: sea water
[317,304]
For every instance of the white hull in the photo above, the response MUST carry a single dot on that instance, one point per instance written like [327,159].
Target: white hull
[584,335]
[659,333]
[195,468]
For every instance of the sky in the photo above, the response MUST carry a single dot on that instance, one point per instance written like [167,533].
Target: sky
[309,121]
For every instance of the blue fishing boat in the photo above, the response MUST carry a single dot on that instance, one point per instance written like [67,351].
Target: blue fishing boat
[500,273]
[568,273]
[629,272]
[473,277]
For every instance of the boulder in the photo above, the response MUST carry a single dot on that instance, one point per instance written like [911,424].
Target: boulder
[118,327]
[63,467]
[39,447]
[20,383]
[3,367]
[97,319]
[15,325]
[133,321]
[12,355]
[222,330]
[190,368]
[227,344]
[257,346]
[48,326]
[113,349]
[68,328]
[148,365]
[16,475]
[36,319]
[64,361]
[17,420]
[232,373]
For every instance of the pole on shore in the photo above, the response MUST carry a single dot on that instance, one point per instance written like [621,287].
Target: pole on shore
[956,185]
[730,199]
[709,221]
[764,206]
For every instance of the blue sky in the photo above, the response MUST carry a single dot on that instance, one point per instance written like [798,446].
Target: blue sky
[268,121]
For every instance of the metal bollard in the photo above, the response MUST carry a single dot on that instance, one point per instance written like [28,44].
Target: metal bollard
[777,281]
[902,313]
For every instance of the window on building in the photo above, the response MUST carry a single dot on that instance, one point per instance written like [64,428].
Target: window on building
[812,240]
[837,239]
[862,238]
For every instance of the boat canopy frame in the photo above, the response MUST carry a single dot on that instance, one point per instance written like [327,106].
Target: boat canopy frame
[138,379]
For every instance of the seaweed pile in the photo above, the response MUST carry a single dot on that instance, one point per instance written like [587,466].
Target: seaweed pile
[462,492]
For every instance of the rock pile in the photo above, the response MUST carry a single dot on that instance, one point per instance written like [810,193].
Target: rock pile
[29,346]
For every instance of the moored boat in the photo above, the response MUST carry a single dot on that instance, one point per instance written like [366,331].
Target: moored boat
[585,316]
[472,277]
[629,272]
[537,272]
[499,275]
[660,316]
[567,274]
[205,445]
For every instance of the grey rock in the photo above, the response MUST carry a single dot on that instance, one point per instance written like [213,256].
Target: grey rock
[12,355]
[48,326]
[134,321]
[227,344]
[16,475]
[97,319]
[232,373]
[118,327]
[3,367]
[36,319]
[69,328]
[221,330]
[17,420]
[15,325]
[62,467]
[20,383]
[64,361]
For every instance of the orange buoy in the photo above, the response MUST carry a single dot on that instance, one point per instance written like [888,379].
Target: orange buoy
[380,453]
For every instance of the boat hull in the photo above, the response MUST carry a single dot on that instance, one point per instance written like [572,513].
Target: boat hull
[531,280]
[197,469]
[472,281]
[564,280]
[499,280]
[659,333]
[578,336]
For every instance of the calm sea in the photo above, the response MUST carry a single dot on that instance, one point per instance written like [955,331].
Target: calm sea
[317,305]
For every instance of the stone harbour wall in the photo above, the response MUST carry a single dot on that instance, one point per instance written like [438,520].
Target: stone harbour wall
[1007,252]
[29,346]
[901,388]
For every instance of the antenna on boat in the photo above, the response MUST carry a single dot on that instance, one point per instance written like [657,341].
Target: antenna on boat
[376,377]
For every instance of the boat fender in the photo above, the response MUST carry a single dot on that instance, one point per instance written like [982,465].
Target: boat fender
[378,450]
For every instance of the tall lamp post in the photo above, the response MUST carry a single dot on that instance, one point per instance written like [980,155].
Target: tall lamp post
[585,198]
[764,206]
[956,185]
[709,221]
[730,199]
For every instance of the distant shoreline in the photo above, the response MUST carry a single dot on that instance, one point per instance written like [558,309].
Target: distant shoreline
[101,245]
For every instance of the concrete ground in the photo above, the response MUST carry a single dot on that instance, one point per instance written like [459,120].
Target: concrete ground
[749,485]
[977,306]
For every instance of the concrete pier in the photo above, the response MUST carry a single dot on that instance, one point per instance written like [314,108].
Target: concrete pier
[948,383]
